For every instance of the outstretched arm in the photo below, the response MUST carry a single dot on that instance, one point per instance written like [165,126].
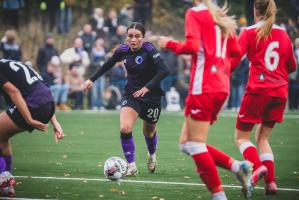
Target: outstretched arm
[106,66]
[17,98]
[58,132]
[193,37]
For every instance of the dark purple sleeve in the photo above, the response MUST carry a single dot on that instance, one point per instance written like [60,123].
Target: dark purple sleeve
[3,80]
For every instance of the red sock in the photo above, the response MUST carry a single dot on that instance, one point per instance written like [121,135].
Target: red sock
[208,171]
[220,158]
[268,161]
[250,153]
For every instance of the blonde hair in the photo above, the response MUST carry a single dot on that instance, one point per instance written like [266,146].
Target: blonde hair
[267,10]
[227,23]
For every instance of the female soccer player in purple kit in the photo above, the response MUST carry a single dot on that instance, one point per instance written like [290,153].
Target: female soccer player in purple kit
[142,97]
[31,106]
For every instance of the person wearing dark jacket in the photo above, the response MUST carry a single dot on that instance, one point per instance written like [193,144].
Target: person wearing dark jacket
[45,54]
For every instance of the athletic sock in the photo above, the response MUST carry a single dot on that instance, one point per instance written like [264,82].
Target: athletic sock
[151,143]
[205,166]
[128,146]
[2,164]
[249,152]
[220,158]
[268,161]
[8,160]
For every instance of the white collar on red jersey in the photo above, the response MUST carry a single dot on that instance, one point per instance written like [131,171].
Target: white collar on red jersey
[260,23]
[200,7]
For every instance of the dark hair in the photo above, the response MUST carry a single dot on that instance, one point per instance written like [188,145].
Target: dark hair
[138,26]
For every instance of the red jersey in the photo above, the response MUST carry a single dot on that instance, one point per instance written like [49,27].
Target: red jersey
[210,71]
[271,60]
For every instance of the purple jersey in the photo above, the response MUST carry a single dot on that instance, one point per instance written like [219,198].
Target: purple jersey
[145,68]
[23,77]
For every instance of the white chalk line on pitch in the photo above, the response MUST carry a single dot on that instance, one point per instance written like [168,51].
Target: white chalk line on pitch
[145,182]
[14,198]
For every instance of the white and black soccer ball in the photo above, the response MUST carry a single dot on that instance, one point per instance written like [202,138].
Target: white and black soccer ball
[115,168]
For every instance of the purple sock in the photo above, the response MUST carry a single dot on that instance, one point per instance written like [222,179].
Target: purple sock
[151,143]
[2,164]
[128,146]
[8,160]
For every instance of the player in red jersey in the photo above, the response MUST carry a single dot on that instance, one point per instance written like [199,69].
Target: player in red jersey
[270,53]
[210,40]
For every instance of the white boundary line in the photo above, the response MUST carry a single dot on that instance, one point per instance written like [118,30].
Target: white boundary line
[14,198]
[225,113]
[145,182]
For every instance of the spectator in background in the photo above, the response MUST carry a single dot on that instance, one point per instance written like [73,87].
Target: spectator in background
[182,85]
[294,81]
[9,46]
[291,28]
[76,55]
[65,16]
[143,11]
[111,23]
[75,82]
[125,17]
[54,80]
[50,9]
[118,76]
[119,37]
[88,37]
[97,59]
[97,22]
[239,79]
[11,12]
[45,54]
[171,61]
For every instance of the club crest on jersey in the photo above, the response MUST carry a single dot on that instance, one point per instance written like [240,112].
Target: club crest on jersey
[214,69]
[138,60]
[261,77]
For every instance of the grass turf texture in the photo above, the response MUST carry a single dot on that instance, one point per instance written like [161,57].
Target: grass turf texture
[91,138]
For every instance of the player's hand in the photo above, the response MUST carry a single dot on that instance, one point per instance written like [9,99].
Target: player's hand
[58,132]
[87,85]
[162,41]
[141,92]
[38,125]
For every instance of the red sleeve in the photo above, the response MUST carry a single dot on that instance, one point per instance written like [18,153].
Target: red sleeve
[192,34]
[243,43]
[291,62]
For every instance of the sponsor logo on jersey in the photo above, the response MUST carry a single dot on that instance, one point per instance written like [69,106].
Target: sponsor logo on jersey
[11,110]
[195,111]
[138,60]
[156,55]
[241,116]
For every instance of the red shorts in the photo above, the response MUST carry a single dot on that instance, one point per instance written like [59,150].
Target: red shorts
[256,108]
[205,107]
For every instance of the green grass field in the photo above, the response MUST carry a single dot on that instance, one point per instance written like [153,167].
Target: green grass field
[91,138]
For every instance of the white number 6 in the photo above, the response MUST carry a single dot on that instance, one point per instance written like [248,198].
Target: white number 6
[272,54]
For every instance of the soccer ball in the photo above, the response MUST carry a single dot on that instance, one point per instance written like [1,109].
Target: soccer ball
[115,168]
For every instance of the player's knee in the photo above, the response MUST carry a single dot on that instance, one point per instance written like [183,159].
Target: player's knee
[125,129]
[261,138]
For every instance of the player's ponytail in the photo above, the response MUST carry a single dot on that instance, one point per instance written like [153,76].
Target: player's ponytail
[227,23]
[267,10]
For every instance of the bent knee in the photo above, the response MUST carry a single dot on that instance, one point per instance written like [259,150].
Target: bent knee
[125,129]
